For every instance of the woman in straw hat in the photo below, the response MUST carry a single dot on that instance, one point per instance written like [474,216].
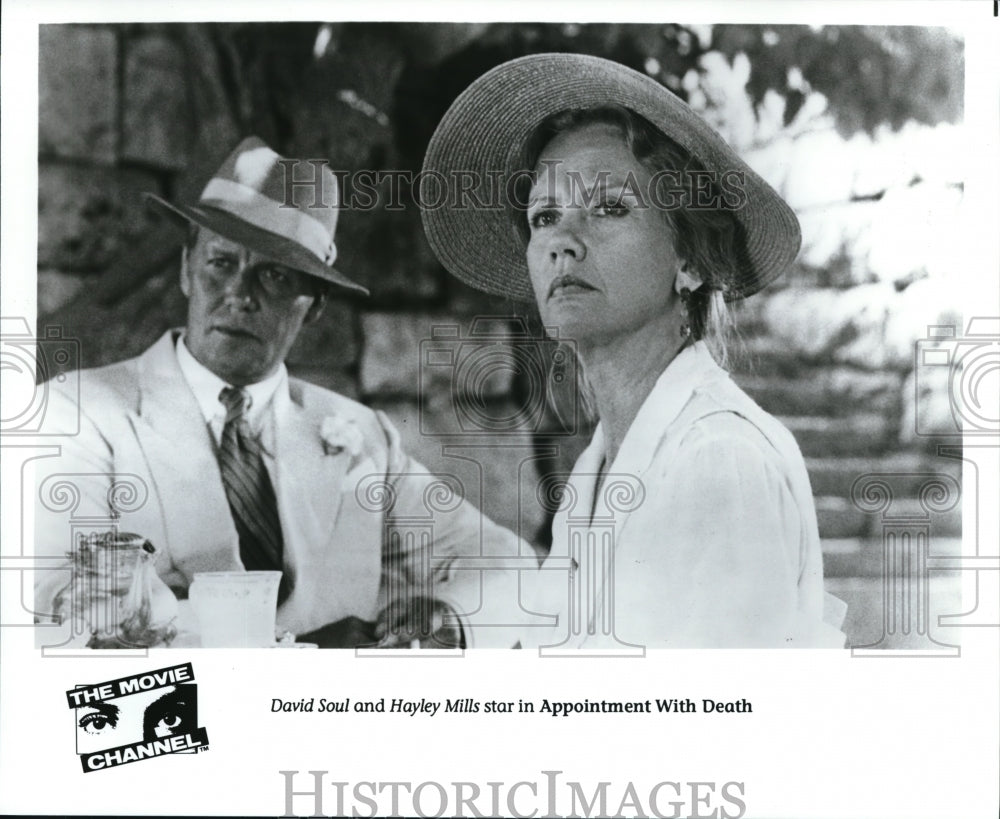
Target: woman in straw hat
[632,224]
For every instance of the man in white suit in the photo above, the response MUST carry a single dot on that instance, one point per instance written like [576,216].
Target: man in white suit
[318,483]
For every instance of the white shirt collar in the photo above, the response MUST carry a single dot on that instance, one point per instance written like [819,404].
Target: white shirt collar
[690,368]
[206,387]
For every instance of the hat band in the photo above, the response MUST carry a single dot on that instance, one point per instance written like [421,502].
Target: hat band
[263,212]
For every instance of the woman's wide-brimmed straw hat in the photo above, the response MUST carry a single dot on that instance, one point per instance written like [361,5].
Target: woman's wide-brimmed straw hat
[250,200]
[484,133]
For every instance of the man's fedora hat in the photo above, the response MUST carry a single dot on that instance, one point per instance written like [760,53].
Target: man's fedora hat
[250,201]
[485,131]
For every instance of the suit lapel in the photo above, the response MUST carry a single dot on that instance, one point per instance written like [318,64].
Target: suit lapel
[180,452]
[332,574]
[310,481]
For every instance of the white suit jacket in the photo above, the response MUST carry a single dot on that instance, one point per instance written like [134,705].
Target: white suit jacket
[703,535]
[363,523]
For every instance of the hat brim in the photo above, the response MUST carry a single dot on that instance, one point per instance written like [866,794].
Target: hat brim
[488,125]
[276,248]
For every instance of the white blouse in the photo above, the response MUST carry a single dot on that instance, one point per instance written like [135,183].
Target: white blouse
[704,533]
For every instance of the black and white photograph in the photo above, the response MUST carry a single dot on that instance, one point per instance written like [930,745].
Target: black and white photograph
[615,390]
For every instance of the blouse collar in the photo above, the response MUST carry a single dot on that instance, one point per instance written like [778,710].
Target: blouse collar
[690,368]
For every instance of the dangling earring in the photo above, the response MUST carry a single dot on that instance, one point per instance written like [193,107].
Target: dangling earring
[685,283]
[685,294]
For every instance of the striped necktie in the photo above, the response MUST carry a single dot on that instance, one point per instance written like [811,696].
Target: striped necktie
[249,491]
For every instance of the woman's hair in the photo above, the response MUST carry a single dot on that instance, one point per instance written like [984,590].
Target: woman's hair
[710,241]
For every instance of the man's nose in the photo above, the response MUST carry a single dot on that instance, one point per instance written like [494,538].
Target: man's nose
[240,291]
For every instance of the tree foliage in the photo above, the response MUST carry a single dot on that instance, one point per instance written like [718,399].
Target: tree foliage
[870,75]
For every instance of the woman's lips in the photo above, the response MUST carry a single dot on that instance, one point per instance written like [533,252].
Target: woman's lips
[569,285]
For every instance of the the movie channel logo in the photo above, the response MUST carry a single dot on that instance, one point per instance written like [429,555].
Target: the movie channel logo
[138,717]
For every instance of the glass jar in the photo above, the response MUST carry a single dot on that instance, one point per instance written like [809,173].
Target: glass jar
[115,594]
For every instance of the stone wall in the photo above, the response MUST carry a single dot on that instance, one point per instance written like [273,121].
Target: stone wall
[829,349]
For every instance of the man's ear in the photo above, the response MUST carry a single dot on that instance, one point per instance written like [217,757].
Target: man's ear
[316,308]
[185,273]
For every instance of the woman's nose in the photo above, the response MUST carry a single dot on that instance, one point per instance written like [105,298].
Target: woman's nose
[567,242]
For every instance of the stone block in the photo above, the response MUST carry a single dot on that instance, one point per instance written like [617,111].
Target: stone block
[109,333]
[57,289]
[499,477]
[329,343]
[157,127]
[340,381]
[78,103]
[414,353]
[390,359]
[87,214]
[146,313]
[386,251]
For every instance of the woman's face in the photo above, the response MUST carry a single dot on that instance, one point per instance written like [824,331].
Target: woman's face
[600,255]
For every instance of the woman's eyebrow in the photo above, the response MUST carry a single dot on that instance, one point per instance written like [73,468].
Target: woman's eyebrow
[542,201]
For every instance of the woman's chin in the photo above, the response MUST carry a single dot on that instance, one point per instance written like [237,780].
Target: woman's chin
[573,318]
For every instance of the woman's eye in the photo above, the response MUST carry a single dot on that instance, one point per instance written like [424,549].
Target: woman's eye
[614,207]
[542,218]
[95,723]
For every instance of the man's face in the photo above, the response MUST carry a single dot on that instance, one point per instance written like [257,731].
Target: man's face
[244,311]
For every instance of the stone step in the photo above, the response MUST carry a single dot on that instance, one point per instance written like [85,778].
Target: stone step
[840,517]
[863,556]
[826,391]
[908,471]
[859,434]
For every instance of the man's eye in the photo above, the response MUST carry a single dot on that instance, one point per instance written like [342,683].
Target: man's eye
[543,218]
[96,723]
[275,276]
[220,263]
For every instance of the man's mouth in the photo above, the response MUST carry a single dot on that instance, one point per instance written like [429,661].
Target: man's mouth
[568,284]
[235,332]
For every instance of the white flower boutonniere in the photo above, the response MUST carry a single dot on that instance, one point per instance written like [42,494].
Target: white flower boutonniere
[341,434]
